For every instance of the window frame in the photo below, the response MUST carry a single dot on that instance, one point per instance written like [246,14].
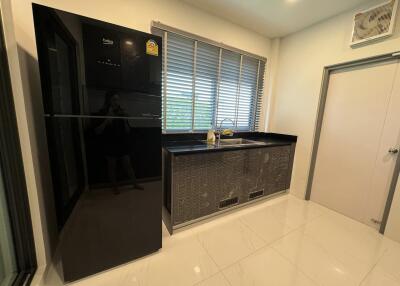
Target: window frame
[162,30]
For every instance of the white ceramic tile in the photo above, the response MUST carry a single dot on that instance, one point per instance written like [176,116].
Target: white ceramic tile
[216,280]
[265,267]
[316,262]
[264,223]
[347,238]
[311,245]
[390,261]
[230,242]
[295,212]
[113,276]
[182,265]
[178,237]
[379,278]
[216,222]
[346,223]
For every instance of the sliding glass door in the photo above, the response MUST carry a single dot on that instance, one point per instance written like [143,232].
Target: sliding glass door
[8,267]
[17,249]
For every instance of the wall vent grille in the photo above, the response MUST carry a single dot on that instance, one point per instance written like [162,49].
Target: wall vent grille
[228,202]
[256,194]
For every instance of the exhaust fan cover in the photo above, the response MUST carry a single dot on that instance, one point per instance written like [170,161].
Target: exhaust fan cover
[374,23]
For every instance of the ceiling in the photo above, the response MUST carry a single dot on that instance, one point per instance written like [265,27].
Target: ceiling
[275,18]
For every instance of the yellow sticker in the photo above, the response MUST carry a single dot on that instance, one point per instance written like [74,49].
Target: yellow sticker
[151,48]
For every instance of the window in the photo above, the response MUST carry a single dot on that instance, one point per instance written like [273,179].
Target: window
[204,84]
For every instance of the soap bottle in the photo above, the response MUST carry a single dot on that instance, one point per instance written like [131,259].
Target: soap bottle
[211,136]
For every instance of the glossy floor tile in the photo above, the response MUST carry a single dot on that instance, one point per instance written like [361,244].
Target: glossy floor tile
[279,242]
[185,264]
[296,213]
[390,261]
[230,242]
[266,267]
[318,263]
[216,280]
[347,238]
[380,278]
[266,225]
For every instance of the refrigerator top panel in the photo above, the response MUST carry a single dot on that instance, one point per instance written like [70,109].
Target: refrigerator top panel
[93,68]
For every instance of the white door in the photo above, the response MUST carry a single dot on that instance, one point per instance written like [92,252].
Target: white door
[361,124]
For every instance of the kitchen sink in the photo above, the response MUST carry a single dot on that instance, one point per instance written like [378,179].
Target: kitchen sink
[235,142]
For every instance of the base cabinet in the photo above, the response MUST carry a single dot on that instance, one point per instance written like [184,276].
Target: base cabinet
[206,183]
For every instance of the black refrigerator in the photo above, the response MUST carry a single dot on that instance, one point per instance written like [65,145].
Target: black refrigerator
[101,91]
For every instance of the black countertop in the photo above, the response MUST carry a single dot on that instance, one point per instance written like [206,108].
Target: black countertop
[179,144]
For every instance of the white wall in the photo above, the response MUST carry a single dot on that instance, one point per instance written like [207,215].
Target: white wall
[302,57]
[136,14]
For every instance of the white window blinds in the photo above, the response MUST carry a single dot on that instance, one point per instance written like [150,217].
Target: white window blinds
[207,59]
[228,87]
[204,84]
[179,84]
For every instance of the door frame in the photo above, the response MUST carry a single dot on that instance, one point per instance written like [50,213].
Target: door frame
[320,116]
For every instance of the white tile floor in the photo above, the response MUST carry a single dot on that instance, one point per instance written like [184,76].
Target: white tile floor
[284,241]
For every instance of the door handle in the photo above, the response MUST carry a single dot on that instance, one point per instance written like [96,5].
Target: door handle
[393,151]
[150,115]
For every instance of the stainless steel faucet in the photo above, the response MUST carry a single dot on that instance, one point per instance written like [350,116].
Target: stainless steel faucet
[219,130]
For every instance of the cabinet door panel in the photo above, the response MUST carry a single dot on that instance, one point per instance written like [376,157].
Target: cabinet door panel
[205,183]
[278,169]
[208,184]
[230,174]
[184,203]
[253,182]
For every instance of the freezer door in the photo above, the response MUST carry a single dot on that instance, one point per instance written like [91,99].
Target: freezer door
[116,57]
[58,63]
[86,64]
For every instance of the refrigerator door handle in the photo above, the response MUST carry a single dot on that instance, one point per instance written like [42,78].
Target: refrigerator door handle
[150,115]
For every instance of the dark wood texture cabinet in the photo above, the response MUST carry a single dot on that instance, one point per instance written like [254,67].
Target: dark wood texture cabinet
[203,184]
